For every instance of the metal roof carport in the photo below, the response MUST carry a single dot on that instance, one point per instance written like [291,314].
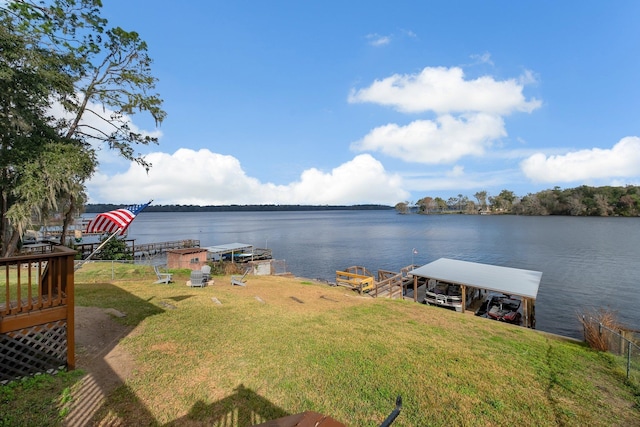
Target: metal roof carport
[506,280]
[230,248]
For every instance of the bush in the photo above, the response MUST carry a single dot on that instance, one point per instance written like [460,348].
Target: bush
[226,268]
[115,249]
[594,335]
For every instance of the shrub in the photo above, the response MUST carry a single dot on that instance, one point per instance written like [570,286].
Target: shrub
[594,334]
[222,268]
[114,249]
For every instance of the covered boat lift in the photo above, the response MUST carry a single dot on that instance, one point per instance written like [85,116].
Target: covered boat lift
[506,280]
[236,250]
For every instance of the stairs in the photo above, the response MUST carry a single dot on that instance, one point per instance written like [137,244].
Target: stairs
[389,285]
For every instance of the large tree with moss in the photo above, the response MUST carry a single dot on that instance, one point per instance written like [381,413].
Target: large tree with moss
[38,163]
[62,53]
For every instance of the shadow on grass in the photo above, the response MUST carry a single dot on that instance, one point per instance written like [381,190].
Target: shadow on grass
[242,408]
[107,295]
[98,334]
[114,402]
[179,298]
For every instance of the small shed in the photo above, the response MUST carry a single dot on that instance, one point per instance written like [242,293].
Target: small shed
[506,280]
[191,258]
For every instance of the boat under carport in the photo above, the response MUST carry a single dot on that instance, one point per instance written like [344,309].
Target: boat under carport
[505,280]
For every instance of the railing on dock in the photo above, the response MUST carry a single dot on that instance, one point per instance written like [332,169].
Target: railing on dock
[355,278]
[36,313]
[150,249]
[142,250]
[390,284]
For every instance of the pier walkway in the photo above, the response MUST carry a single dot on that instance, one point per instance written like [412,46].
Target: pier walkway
[145,250]
[388,284]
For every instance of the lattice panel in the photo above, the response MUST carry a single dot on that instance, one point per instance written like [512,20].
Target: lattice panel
[37,349]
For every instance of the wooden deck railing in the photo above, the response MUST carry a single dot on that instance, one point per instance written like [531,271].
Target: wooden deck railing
[37,304]
[141,250]
[355,281]
[389,284]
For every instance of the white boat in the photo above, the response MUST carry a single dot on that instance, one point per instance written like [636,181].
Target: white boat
[443,294]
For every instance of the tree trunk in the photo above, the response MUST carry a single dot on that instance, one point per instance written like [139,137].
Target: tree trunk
[68,217]
[3,223]
[12,244]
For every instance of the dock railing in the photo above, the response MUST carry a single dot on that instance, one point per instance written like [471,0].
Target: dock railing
[36,313]
[142,250]
[389,284]
[356,281]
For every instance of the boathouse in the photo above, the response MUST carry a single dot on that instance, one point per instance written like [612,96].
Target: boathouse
[505,280]
[231,252]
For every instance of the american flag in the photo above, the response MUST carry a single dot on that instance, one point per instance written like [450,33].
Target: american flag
[112,221]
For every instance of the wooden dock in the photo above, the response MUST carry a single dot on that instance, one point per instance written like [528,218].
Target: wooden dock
[356,278]
[145,250]
[151,249]
[389,284]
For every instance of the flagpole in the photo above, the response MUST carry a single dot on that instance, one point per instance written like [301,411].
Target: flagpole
[81,263]
[123,217]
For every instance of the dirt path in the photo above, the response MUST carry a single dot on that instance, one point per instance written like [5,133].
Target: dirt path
[107,364]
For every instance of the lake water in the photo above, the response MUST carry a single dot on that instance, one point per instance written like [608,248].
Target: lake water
[586,262]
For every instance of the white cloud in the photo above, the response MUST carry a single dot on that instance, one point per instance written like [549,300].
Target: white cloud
[206,178]
[377,40]
[485,58]
[410,34]
[528,78]
[457,171]
[622,160]
[445,90]
[444,140]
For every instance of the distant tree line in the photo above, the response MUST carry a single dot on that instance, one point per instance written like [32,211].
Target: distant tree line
[579,201]
[104,207]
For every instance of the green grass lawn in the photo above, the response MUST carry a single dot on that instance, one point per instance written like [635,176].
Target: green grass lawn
[281,346]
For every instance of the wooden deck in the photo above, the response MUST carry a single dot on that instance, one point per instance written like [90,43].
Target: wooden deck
[388,284]
[36,313]
[356,278]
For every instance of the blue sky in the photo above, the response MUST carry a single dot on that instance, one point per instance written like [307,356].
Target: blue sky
[327,102]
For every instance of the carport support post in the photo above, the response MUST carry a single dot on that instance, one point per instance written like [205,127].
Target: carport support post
[526,312]
[415,288]
[464,297]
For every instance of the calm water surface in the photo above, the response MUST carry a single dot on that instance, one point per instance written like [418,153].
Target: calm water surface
[586,262]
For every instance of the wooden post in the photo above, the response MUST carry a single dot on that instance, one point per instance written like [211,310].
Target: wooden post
[71,331]
[415,288]
[525,311]
[532,313]
[464,298]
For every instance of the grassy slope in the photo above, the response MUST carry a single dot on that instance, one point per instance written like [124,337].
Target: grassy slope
[283,346]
